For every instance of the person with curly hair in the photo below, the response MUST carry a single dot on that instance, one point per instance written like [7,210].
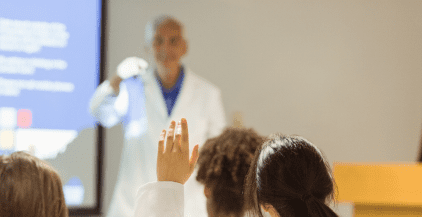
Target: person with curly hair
[29,187]
[222,167]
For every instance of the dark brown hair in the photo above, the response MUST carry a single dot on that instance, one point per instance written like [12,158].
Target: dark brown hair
[223,164]
[30,188]
[290,174]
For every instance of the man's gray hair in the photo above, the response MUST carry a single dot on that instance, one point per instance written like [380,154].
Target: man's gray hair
[153,25]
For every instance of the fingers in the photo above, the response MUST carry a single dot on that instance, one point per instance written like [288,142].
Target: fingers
[193,159]
[170,137]
[161,143]
[177,146]
[142,64]
[178,137]
[115,83]
[185,136]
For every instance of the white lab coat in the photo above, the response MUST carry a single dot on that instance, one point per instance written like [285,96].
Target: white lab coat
[198,101]
[164,199]
[160,199]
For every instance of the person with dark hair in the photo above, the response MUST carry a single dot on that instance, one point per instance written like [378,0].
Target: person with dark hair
[222,168]
[289,177]
[30,188]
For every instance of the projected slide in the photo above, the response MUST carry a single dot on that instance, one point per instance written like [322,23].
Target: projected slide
[49,69]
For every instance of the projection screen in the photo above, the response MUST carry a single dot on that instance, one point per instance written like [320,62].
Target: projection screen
[50,65]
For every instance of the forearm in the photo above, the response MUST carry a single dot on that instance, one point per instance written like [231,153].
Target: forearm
[106,107]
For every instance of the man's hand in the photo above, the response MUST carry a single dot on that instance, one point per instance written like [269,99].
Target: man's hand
[115,84]
[173,162]
[129,67]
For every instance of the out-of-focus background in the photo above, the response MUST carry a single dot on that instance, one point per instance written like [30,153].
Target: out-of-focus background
[347,75]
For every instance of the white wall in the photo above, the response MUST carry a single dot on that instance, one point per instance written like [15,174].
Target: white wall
[347,75]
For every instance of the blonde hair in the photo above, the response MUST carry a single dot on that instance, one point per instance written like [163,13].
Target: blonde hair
[30,187]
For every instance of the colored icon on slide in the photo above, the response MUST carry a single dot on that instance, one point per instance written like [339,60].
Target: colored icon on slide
[8,118]
[7,139]
[73,192]
[24,118]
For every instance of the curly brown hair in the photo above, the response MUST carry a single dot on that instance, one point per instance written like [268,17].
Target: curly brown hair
[223,164]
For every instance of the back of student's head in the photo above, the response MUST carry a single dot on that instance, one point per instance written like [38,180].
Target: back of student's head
[290,174]
[30,188]
[222,167]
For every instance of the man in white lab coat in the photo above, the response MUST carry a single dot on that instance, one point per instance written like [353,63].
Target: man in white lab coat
[146,99]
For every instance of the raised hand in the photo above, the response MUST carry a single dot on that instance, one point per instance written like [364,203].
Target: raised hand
[173,162]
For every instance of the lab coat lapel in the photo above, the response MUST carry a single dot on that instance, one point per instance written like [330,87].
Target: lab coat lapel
[184,99]
[154,94]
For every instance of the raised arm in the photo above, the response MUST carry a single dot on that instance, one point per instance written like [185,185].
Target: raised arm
[165,198]
[110,101]
[108,107]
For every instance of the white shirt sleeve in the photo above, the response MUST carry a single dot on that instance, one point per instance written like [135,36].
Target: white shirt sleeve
[160,199]
[108,108]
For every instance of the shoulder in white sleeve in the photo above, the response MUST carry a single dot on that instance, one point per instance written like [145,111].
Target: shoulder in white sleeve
[202,83]
[160,199]
[215,108]
[216,115]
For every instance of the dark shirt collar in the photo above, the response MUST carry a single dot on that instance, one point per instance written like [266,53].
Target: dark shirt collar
[178,83]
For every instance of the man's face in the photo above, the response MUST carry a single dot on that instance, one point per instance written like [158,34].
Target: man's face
[169,45]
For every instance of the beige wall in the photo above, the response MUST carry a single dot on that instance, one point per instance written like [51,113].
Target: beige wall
[347,75]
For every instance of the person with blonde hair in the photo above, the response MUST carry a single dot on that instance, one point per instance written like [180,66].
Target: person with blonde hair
[29,187]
